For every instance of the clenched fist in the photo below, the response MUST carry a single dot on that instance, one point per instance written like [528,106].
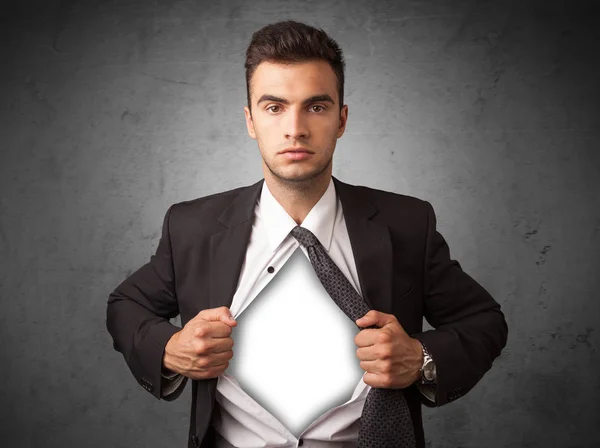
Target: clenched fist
[202,348]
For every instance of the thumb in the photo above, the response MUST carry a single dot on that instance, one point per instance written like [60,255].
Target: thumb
[222,314]
[374,317]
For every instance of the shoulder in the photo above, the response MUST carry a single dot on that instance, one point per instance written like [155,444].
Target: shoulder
[385,200]
[211,203]
[204,212]
[384,196]
[407,215]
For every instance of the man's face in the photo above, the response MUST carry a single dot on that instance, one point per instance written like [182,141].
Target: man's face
[295,106]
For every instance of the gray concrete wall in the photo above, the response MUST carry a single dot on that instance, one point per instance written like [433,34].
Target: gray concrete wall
[112,111]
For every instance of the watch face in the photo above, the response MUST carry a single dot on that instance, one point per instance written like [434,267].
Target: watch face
[429,371]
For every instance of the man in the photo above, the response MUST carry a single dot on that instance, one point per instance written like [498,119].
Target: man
[211,248]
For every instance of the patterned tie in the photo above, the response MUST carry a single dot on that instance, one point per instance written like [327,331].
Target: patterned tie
[385,420]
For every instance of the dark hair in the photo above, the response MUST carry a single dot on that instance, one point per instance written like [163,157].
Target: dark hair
[290,42]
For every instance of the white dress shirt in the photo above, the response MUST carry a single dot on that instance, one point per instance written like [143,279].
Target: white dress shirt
[268,341]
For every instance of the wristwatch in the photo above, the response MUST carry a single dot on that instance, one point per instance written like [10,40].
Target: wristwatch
[428,373]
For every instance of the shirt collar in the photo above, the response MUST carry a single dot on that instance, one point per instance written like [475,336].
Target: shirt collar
[278,224]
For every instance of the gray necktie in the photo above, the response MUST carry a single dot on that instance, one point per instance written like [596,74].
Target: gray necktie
[385,420]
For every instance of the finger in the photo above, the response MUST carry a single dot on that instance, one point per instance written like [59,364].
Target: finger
[222,314]
[369,366]
[222,345]
[381,366]
[214,359]
[367,337]
[214,330]
[376,318]
[368,319]
[209,372]
[366,354]
[377,380]
[210,346]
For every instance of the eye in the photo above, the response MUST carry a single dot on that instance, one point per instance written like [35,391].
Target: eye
[271,108]
[319,107]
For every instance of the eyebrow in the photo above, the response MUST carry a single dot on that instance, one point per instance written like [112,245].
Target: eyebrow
[312,99]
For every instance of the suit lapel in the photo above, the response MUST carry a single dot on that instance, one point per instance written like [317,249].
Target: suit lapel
[228,247]
[370,240]
[371,246]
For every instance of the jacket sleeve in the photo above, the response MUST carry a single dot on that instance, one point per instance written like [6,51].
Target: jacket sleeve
[470,330]
[138,313]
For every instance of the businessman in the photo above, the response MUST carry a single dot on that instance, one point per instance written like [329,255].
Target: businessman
[377,254]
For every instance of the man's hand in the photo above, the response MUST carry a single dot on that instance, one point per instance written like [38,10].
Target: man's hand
[391,358]
[202,348]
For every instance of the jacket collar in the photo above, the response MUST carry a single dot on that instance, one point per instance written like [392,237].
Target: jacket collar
[241,209]
[370,240]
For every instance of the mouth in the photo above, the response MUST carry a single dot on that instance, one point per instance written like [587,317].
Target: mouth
[296,153]
[296,150]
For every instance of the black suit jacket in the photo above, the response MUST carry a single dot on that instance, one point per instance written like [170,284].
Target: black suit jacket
[404,268]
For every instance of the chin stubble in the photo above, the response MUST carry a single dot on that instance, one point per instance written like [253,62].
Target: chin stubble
[296,182]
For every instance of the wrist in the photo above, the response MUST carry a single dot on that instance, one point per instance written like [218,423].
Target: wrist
[420,359]
[167,365]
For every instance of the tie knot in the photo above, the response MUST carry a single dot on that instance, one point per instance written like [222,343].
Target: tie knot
[304,236]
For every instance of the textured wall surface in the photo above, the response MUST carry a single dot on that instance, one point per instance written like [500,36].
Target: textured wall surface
[113,110]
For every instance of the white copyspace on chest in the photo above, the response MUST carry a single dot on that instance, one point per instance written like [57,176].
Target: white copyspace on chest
[294,350]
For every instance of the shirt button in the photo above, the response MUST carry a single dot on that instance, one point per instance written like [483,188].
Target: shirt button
[270,269]
[300,442]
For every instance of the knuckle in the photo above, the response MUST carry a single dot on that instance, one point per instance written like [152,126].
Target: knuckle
[201,347]
[383,337]
[200,331]
[385,352]
[386,365]
[202,362]
[386,380]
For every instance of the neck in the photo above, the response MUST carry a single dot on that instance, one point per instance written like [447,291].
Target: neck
[298,198]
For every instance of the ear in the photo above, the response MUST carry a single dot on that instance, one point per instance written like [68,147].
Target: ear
[343,120]
[249,123]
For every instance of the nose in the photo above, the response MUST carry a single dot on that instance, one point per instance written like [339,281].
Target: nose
[295,125]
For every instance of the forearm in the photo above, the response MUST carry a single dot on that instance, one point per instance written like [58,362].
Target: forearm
[138,313]
[172,382]
[140,336]
[464,351]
